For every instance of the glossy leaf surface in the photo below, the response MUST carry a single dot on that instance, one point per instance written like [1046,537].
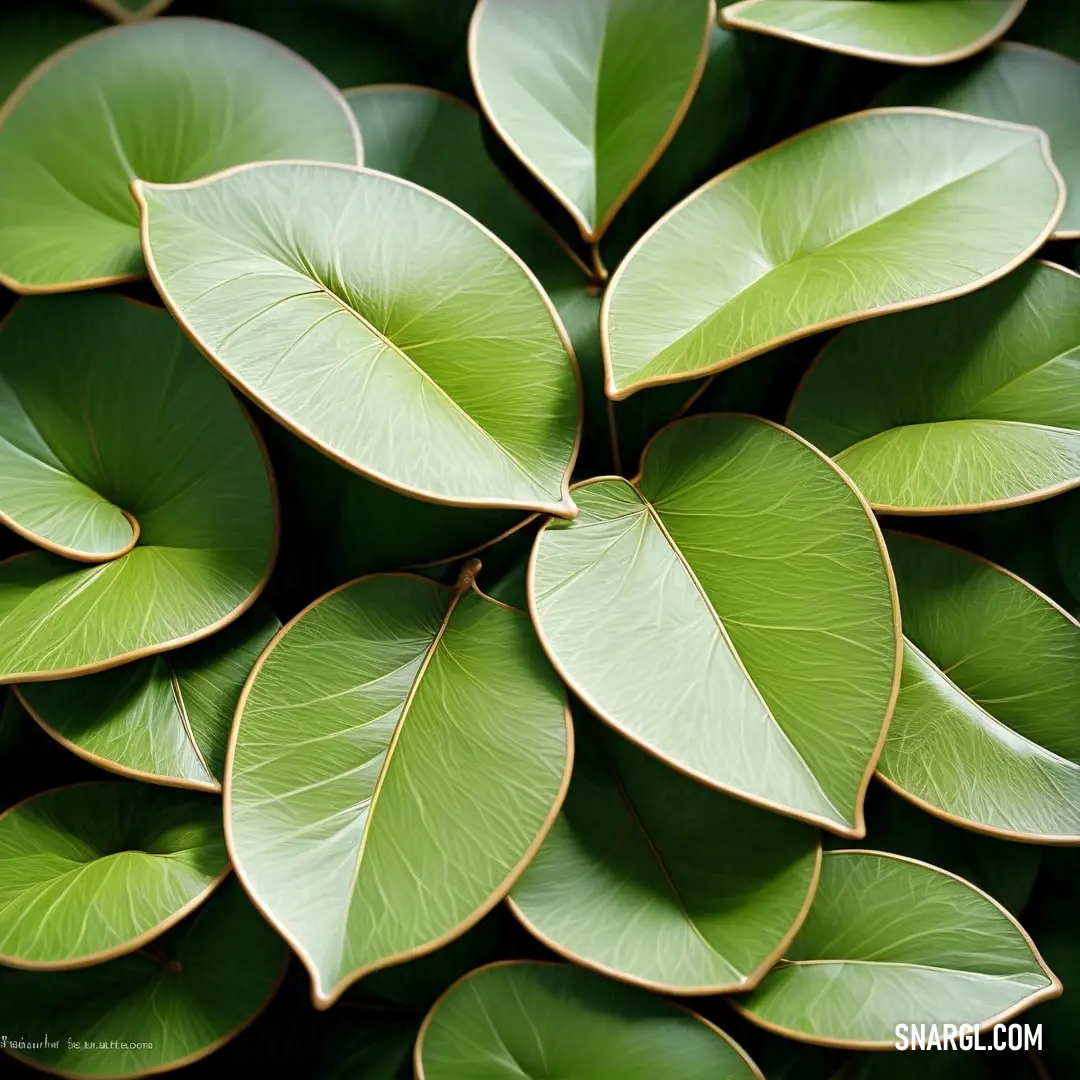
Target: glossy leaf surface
[588,92]
[1012,82]
[706,611]
[969,405]
[915,32]
[90,385]
[186,995]
[165,719]
[93,871]
[874,212]
[650,877]
[122,104]
[437,141]
[394,334]
[400,753]
[888,941]
[529,1020]
[985,728]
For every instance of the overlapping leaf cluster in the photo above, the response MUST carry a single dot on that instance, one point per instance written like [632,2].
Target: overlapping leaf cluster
[525,637]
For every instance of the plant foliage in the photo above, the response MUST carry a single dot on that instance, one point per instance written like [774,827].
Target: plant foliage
[539,539]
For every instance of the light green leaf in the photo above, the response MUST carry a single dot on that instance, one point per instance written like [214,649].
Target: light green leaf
[875,212]
[389,313]
[588,93]
[984,733]
[732,612]
[165,719]
[105,402]
[183,997]
[530,1021]
[914,32]
[29,34]
[123,104]
[437,141]
[130,10]
[400,753]
[1012,82]
[893,941]
[651,878]
[970,405]
[93,871]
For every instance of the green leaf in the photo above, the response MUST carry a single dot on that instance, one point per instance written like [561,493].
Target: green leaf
[105,406]
[732,612]
[165,719]
[28,35]
[122,104]
[970,405]
[984,733]
[651,878]
[344,526]
[588,93]
[434,755]
[189,993]
[130,10]
[93,871]
[392,332]
[436,141]
[1051,24]
[875,212]
[533,1020]
[1012,82]
[893,941]
[914,32]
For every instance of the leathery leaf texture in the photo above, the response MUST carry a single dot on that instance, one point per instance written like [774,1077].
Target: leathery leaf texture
[890,940]
[871,213]
[96,870]
[588,92]
[898,31]
[184,995]
[1016,82]
[164,719]
[731,611]
[512,1020]
[400,752]
[111,421]
[965,406]
[985,728]
[168,100]
[650,877]
[377,321]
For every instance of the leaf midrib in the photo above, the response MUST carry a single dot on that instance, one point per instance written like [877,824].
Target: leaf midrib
[642,372]
[911,966]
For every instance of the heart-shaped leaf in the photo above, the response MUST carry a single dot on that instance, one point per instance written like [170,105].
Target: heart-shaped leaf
[399,754]
[165,1006]
[588,93]
[649,877]
[389,311]
[97,870]
[536,1020]
[108,415]
[910,32]
[893,941]
[165,719]
[122,104]
[1012,82]
[875,212]
[437,141]
[984,733]
[732,611]
[130,10]
[970,405]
